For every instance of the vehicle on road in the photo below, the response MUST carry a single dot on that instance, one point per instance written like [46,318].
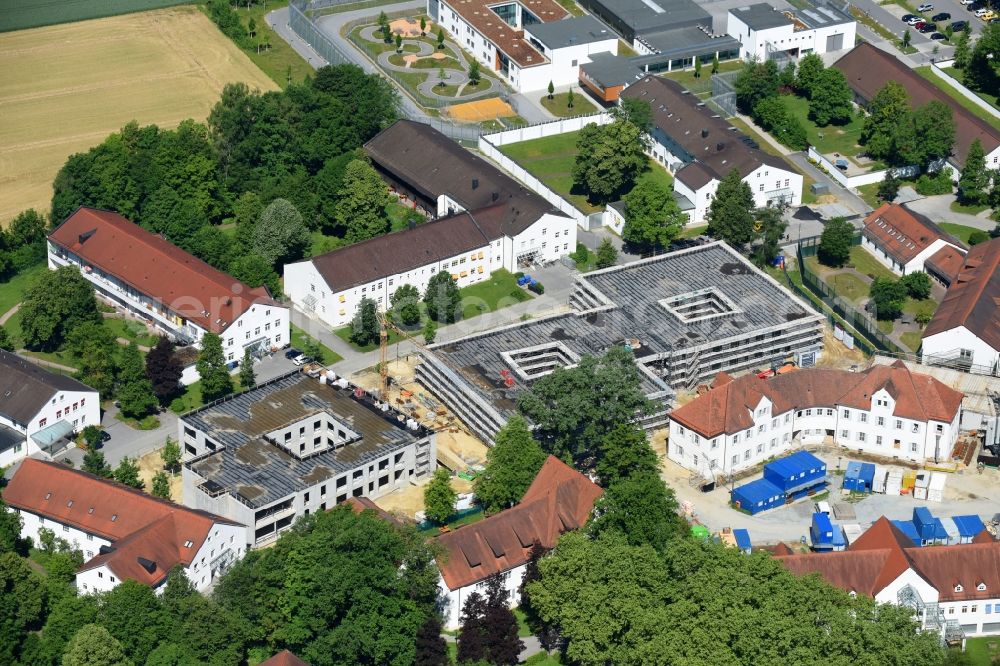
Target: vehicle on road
[292,352]
[302,360]
[941,16]
[926,7]
[937,35]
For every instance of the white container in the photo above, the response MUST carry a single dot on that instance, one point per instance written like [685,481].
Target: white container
[852,532]
[920,484]
[878,483]
[935,489]
[894,482]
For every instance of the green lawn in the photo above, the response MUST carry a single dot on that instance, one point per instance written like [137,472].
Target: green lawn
[148,423]
[765,145]
[968,209]
[281,61]
[702,83]
[131,330]
[914,307]
[328,356]
[864,263]
[884,326]
[571,7]
[321,243]
[849,286]
[841,139]
[522,623]
[559,105]
[926,72]
[911,340]
[190,399]
[979,652]
[13,289]
[344,333]
[693,231]
[959,231]
[499,291]
[959,76]
[551,160]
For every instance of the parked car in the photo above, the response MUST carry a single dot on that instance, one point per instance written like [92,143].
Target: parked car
[292,352]
[941,16]
[913,20]
[958,26]
[928,27]
[926,7]
[920,25]
[302,360]
[966,2]
[937,35]
[105,436]
[908,17]
[981,12]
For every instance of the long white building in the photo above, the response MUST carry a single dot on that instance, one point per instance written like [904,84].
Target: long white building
[765,32]
[884,410]
[906,242]
[700,148]
[173,291]
[487,221]
[124,534]
[40,410]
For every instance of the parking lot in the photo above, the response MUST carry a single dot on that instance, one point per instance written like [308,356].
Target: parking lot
[966,493]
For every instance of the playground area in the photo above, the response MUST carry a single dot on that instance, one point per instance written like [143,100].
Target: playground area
[481,110]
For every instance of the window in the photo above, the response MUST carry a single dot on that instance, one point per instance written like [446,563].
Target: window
[774,424]
[988,609]
[788,417]
[861,436]
[746,456]
[916,427]
[114,517]
[847,414]
[736,459]
[736,438]
[864,417]
[899,424]
[958,587]
[761,427]
[774,442]
[42,422]
[65,528]
[696,461]
[829,412]
[809,412]
[90,537]
[844,434]
[715,443]
[680,450]
[880,420]
[878,440]
[913,447]
[59,414]
[981,587]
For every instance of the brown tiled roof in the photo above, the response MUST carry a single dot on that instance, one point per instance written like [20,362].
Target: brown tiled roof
[559,499]
[362,504]
[139,525]
[946,263]
[901,233]
[156,268]
[728,407]
[284,658]
[973,299]
[868,69]
[883,553]
[716,146]
[25,387]
[509,40]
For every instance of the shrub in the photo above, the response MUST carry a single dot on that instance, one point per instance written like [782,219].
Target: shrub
[771,114]
[932,184]
[537,287]
[978,236]
[917,284]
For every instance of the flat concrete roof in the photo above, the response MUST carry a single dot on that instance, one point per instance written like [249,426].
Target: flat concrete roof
[684,43]
[260,472]
[570,32]
[760,16]
[763,16]
[611,70]
[654,15]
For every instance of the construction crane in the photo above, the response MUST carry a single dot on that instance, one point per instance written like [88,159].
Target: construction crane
[385,324]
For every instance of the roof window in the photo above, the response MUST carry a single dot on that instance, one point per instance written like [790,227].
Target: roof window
[90,510]
[48,496]
[114,517]
[188,543]
[69,503]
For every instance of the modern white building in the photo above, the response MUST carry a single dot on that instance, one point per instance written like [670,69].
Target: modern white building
[296,445]
[123,533]
[765,32]
[559,500]
[965,330]
[174,292]
[40,411]
[904,241]
[488,222]
[953,590]
[700,148]
[527,44]
[886,411]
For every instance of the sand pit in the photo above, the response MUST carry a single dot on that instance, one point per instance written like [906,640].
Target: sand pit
[837,355]
[481,110]
[149,465]
[409,27]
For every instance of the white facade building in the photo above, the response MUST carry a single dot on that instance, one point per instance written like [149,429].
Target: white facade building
[174,292]
[885,411]
[699,149]
[765,32]
[123,533]
[904,241]
[39,409]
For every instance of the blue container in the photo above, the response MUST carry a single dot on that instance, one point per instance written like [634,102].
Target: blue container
[852,476]
[799,471]
[969,527]
[757,496]
[743,540]
[821,532]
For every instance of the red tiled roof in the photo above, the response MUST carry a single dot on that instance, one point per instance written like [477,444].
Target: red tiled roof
[559,499]
[139,525]
[362,504]
[869,68]
[946,263]
[901,233]
[973,299]
[510,40]
[160,270]
[284,658]
[883,553]
[728,407]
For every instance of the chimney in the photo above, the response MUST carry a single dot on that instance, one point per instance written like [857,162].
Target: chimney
[496,195]
[86,235]
[475,183]
[148,565]
[719,146]
[704,133]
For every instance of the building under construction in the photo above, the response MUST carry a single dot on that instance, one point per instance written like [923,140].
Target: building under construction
[686,315]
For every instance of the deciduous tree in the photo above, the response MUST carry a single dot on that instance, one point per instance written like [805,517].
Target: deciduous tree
[918,284]
[625,451]
[247,377]
[769,229]
[215,379]
[161,485]
[974,181]
[134,391]
[730,215]
[772,114]
[362,206]
[405,303]
[94,347]
[652,217]
[93,645]
[10,531]
[431,648]
[164,370]
[280,235]
[443,299]
[474,74]
[365,327]
[22,604]
[755,82]
[889,187]
[636,111]
[127,473]
[94,463]
[511,466]
[811,68]
[439,497]
[887,110]
[54,304]
[6,343]
[935,128]
[830,100]
[835,242]
[606,255]
[609,159]
[641,508]
[887,298]
[170,454]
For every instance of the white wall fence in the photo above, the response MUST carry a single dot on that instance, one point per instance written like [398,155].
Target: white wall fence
[488,145]
[861,179]
[938,68]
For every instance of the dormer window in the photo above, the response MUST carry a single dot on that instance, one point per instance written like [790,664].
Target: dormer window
[90,510]
[958,587]
[981,587]
[852,594]
[188,543]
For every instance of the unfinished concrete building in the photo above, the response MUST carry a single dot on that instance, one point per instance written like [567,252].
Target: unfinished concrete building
[296,445]
[686,315]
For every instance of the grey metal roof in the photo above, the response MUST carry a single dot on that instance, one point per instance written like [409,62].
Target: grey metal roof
[610,70]
[261,473]
[653,15]
[761,16]
[683,43]
[570,31]
[25,387]
[9,438]
[632,311]
[822,15]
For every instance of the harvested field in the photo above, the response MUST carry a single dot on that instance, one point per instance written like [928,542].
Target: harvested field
[66,87]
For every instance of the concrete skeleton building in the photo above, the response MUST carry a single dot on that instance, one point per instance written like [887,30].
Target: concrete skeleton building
[953,590]
[766,33]
[907,242]
[527,43]
[885,411]
[965,330]
[487,221]
[173,291]
[296,445]
[868,69]
[560,499]
[123,533]
[687,315]
[40,410]
[700,148]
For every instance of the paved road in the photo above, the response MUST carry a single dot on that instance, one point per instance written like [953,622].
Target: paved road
[939,210]
[844,195]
